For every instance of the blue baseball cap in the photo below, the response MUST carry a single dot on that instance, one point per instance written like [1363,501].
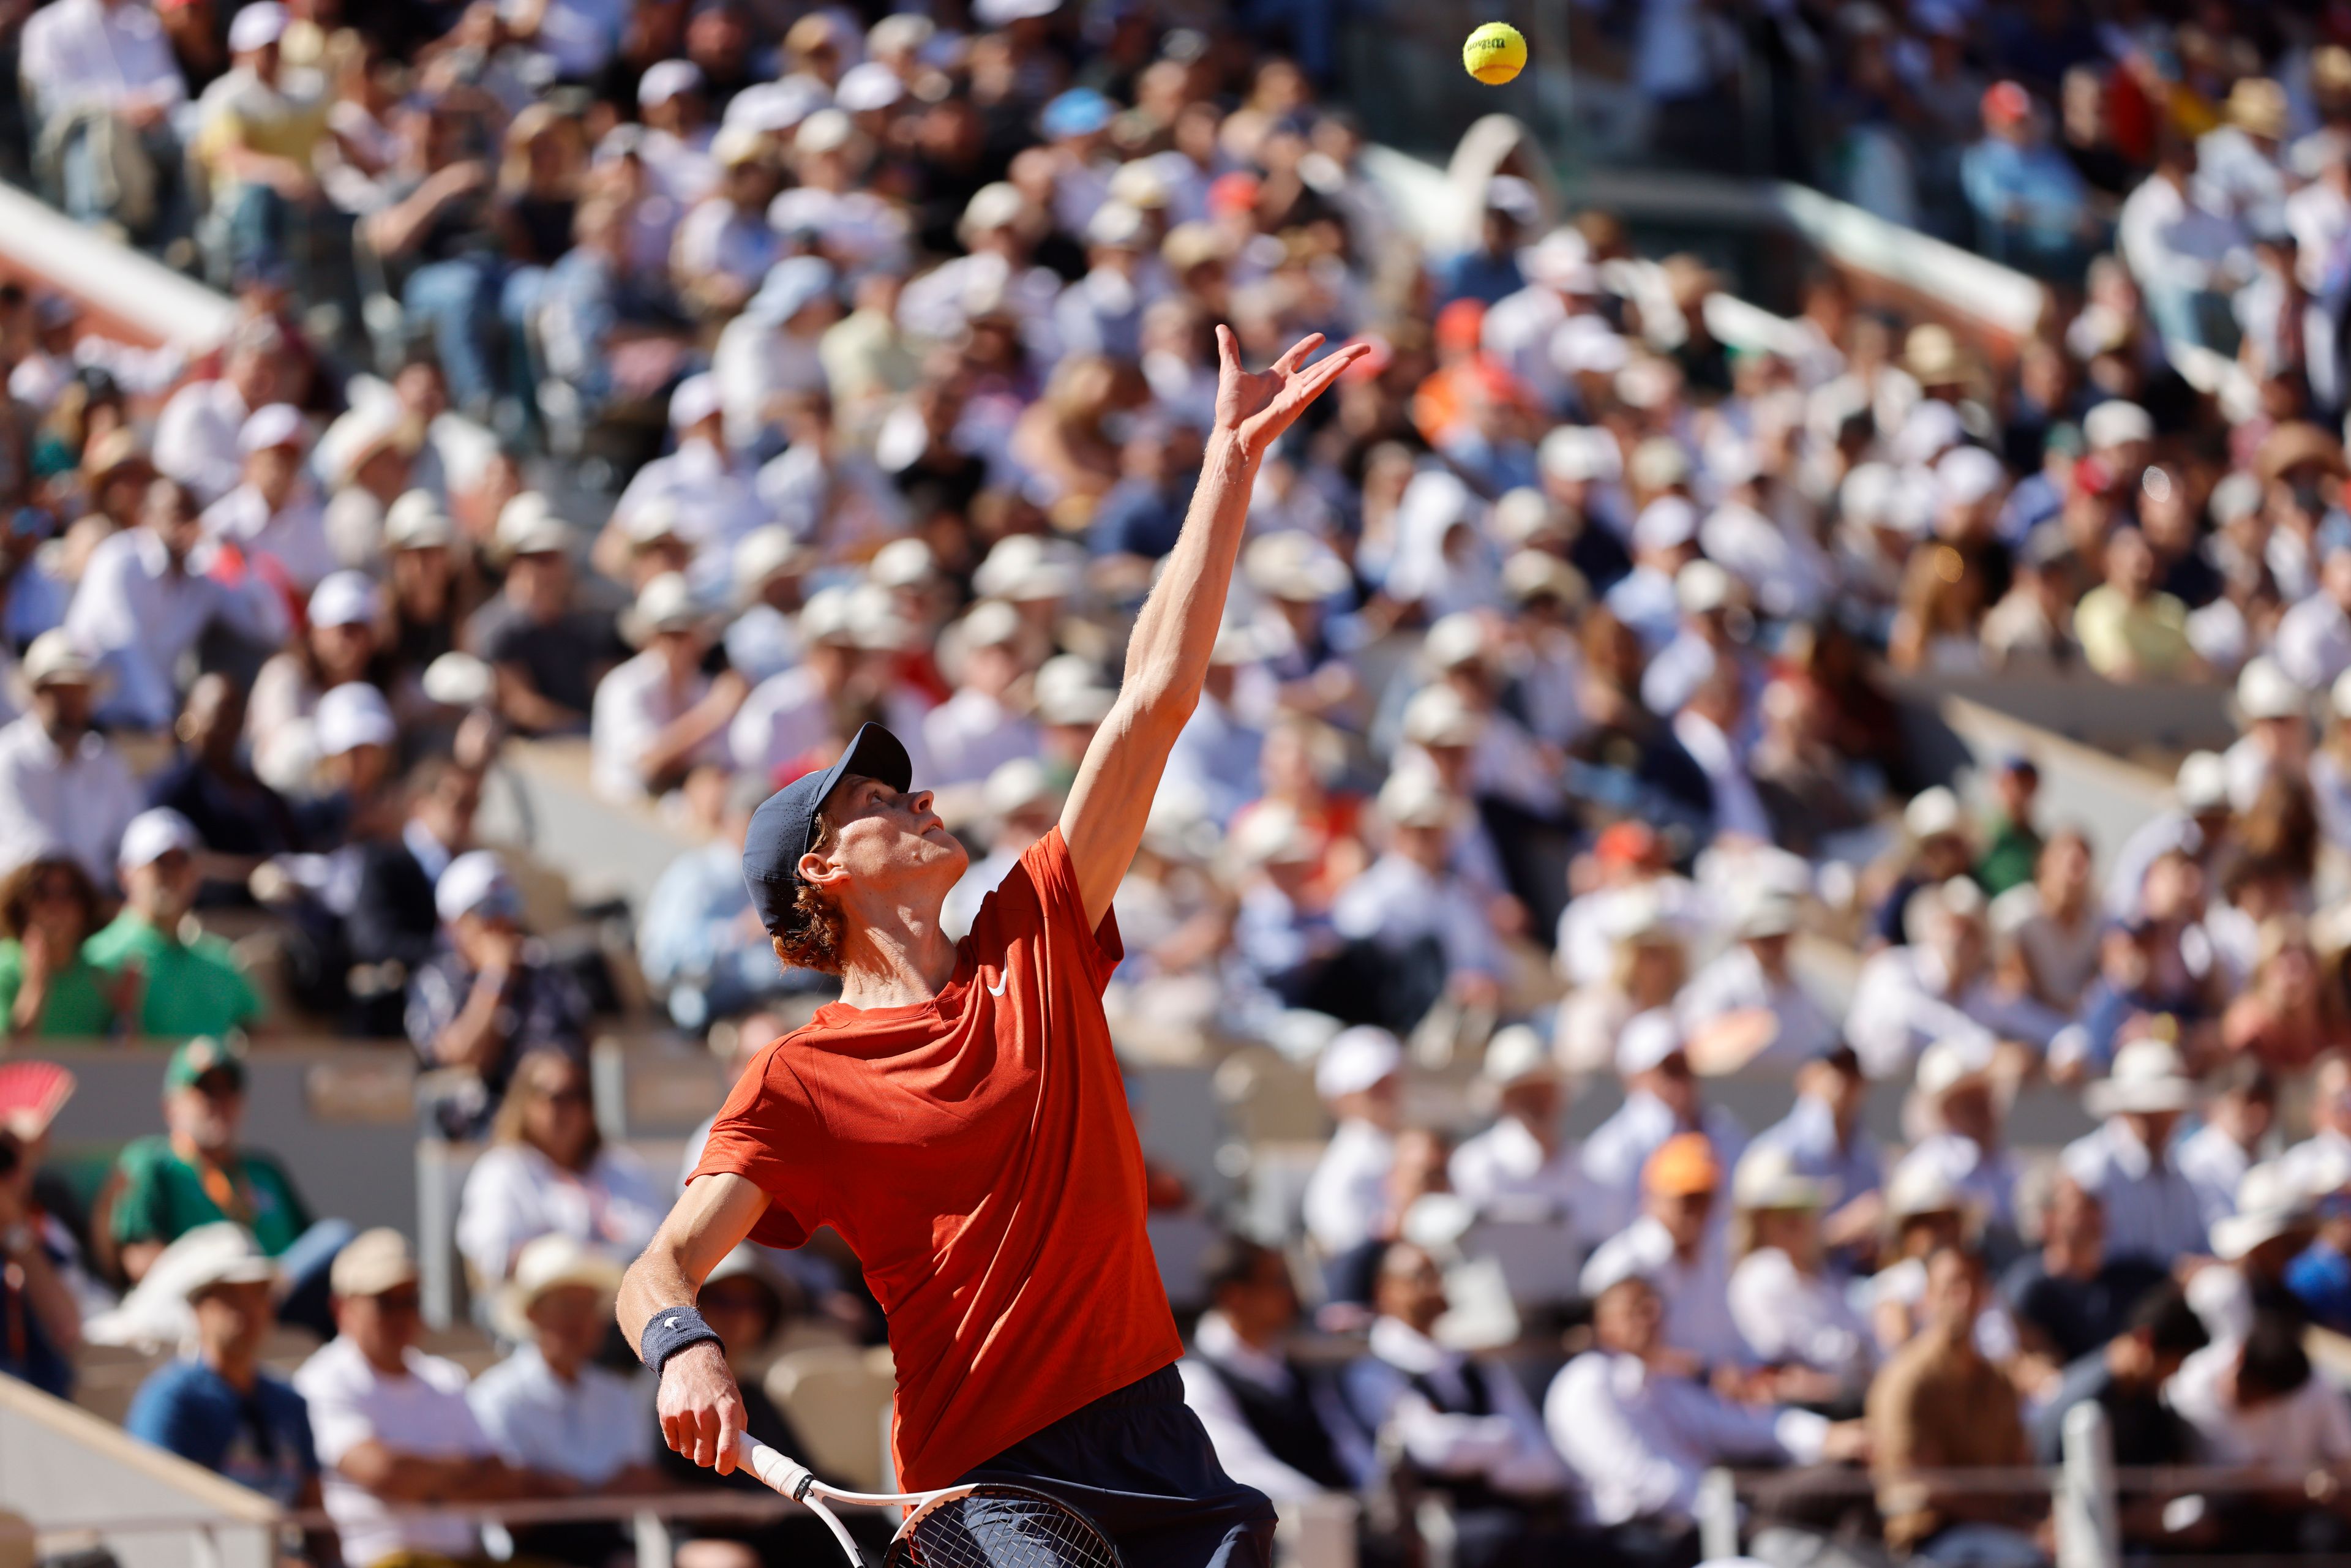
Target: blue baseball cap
[784,826]
[1080,111]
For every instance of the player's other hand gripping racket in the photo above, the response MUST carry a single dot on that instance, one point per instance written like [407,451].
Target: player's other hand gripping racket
[984,1526]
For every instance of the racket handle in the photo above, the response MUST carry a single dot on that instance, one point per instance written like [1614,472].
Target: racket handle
[784,1475]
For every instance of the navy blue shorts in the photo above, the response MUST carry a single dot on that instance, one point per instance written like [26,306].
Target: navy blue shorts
[1138,1463]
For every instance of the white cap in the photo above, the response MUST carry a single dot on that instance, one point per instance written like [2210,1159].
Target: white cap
[692,400]
[1701,587]
[1293,565]
[875,624]
[1948,1063]
[1932,812]
[1355,1059]
[2116,423]
[1660,462]
[651,521]
[1439,716]
[2266,691]
[1580,453]
[829,130]
[1930,428]
[2271,1203]
[527,527]
[415,521]
[1417,798]
[2237,495]
[903,563]
[1562,259]
[989,623]
[1768,911]
[1967,475]
[1022,781]
[1646,1041]
[475,880]
[56,659]
[1530,573]
[1586,345]
[272,424]
[1025,568]
[1070,693]
[352,715]
[1923,1186]
[665,604]
[738,143]
[1866,496]
[1523,514]
[221,1253]
[763,552]
[1272,834]
[1668,522]
[547,1263]
[1516,1053]
[1115,225]
[2148,1076]
[256,27]
[2339,696]
[1455,639]
[664,79]
[771,107]
[345,598]
[152,835]
[2201,784]
[868,86]
[994,206]
[1767,1177]
[1004,13]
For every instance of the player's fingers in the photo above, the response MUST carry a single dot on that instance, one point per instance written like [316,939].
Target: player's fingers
[1229,349]
[705,1437]
[672,1433]
[1331,369]
[728,1426]
[1298,352]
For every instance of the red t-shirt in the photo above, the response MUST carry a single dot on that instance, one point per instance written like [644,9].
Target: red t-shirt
[976,1154]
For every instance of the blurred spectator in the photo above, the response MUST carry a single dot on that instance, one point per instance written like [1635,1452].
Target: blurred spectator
[549,1408]
[2131,1164]
[1359,1077]
[217,1406]
[1825,1136]
[391,1422]
[550,654]
[168,982]
[1789,1306]
[1661,1102]
[48,911]
[1412,908]
[2031,207]
[1465,1426]
[2052,921]
[105,88]
[196,1173]
[45,1321]
[1941,1406]
[658,714]
[699,941]
[1750,994]
[1277,1424]
[2254,1402]
[1676,1245]
[2126,1377]
[1640,1434]
[2071,1298]
[1520,1165]
[489,996]
[548,1171]
[62,786]
[259,130]
[270,521]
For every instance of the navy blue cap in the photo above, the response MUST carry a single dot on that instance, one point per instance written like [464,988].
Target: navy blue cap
[784,826]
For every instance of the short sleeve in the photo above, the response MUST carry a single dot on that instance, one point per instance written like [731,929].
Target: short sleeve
[767,1113]
[1061,909]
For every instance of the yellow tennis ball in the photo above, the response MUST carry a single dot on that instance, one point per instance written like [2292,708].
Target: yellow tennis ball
[1495,53]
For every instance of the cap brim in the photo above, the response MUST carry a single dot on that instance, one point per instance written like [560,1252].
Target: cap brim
[2109,1098]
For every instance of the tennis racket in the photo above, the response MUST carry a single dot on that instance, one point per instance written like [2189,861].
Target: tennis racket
[984,1526]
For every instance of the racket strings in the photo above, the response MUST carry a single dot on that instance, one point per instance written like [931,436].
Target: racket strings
[1000,1528]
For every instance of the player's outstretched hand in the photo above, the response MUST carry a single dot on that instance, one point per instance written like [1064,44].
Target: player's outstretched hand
[1258,406]
[701,1409]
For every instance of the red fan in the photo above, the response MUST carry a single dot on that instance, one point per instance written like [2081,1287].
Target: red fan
[31,1092]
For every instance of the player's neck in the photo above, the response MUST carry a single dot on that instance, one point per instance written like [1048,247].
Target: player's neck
[900,959]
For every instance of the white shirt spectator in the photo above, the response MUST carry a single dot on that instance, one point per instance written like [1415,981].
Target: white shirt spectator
[754,362]
[294,536]
[971,734]
[578,36]
[1588,925]
[1505,1166]
[423,1412]
[1695,1291]
[1347,1195]
[1612,1156]
[49,801]
[2236,178]
[785,716]
[2152,1211]
[195,437]
[514,1194]
[714,501]
[1899,1009]
[1395,903]
[2169,242]
[87,53]
[1787,1317]
[2213,1163]
[139,615]
[1641,1440]
[633,704]
[590,1429]
[2307,1430]
[1735,982]
[1737,809]
[1990,1180]
[2313,642]
[1239,1449]
[1508,1450]
[720,239]
[838,501]
[2319,218]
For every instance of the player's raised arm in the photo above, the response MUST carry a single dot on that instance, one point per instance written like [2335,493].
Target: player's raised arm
[701,1409]
[1167,658]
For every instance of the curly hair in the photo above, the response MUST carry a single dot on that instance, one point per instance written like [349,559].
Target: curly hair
[814,929]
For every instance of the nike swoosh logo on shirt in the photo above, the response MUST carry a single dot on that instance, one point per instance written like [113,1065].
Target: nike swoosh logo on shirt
[997,989]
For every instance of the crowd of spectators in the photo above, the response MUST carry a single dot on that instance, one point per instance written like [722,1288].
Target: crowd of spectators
[843,368]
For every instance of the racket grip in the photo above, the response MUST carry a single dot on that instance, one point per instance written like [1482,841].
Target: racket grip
[774,1470]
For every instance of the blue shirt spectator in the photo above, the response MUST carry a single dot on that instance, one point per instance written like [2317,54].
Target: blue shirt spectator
[2031,204]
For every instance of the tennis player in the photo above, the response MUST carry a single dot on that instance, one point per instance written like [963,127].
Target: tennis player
[957,1115]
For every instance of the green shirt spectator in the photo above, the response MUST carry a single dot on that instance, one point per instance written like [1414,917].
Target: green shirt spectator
[49,907]
[183,988]
[194,1173]
[2013,849]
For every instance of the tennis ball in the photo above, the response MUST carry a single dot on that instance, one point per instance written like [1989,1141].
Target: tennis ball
[1494,54]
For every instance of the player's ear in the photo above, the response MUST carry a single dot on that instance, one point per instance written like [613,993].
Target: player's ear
[819,870]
